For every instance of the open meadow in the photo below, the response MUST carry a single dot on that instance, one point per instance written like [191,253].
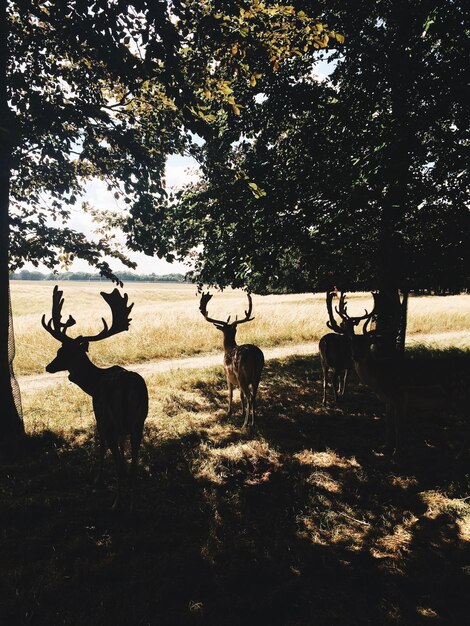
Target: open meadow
[298,521]
[166,322]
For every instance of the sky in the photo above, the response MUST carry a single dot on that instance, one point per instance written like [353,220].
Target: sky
[180,170]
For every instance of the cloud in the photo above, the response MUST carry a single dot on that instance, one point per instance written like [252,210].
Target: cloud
[179,171]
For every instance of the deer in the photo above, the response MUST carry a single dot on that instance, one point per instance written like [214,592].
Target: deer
[335,348]
[243,364]
[119,396]
[398,381]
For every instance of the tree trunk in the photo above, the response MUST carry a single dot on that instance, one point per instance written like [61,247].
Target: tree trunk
[392,270]
[401,337]
[11,424]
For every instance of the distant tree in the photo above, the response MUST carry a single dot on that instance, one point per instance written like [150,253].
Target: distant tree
[359,181]
[107,89]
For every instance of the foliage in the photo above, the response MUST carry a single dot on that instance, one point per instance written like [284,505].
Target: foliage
[108,89]
[72,74]
[356,180]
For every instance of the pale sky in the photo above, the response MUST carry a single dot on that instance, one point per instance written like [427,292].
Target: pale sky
[180,170]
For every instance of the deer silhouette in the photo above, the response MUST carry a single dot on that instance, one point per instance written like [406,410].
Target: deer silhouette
[243,364]
[120,397]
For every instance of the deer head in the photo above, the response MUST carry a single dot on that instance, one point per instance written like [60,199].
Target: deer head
[228,328]
[360,343]
[74,348]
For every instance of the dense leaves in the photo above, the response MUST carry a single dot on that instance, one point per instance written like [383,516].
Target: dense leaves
[360,180]
[74,86]
[108,89]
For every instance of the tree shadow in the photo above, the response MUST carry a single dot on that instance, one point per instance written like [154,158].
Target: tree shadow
[296,522]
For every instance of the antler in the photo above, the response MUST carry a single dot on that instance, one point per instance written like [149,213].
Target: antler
[55,326]
[371,315]
[332,323]
[120,312]
[205,298]
[342,311]
[247,317]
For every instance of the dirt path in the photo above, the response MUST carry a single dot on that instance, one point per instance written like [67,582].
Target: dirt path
[38,382]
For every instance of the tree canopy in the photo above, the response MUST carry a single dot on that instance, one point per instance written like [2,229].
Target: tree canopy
[360,180]
[106,90]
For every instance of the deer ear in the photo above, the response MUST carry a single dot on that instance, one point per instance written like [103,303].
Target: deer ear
[85,345]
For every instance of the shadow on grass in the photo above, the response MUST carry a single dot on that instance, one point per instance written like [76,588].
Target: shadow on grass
[298,522]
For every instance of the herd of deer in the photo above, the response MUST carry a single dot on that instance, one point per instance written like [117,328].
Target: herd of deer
[120,397]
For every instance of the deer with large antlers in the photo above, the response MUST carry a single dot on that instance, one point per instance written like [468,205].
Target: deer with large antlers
[335,347]
[120,397]
[243,364]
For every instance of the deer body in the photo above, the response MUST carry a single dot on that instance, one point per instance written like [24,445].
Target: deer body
[242,364]
[120,397]
[335,347]
[335,356]
[402,382]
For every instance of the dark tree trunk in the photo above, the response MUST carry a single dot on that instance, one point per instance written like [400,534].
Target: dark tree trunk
[401,338]
[11,425]
[392,270]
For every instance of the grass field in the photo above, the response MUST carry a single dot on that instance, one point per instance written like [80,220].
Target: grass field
[297,522]
[167,323]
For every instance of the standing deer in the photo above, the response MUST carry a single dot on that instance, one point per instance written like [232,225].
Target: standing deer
[401,382]
[243,364]
[120,397]
[335,347]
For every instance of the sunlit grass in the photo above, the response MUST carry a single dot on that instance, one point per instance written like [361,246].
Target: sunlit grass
[191,405]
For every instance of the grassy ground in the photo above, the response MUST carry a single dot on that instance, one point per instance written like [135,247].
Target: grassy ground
[298,522]
[167,323]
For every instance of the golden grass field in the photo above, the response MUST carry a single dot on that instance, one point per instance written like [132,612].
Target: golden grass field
[166,322]
[298,521]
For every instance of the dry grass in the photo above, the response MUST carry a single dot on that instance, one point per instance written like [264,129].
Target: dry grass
[167,323]
[298,522]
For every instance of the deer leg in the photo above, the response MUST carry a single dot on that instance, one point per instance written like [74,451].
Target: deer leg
[400,417]
[136,438]
[246,403]
[119,463]
[230,398]
[390,419]
[393,413]
[101,454]
[249,406]
[335,385]
[253,400]
[325,383]
[343,382]
[245,406]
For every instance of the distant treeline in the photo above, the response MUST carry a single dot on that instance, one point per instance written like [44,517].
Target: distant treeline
[85,276]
